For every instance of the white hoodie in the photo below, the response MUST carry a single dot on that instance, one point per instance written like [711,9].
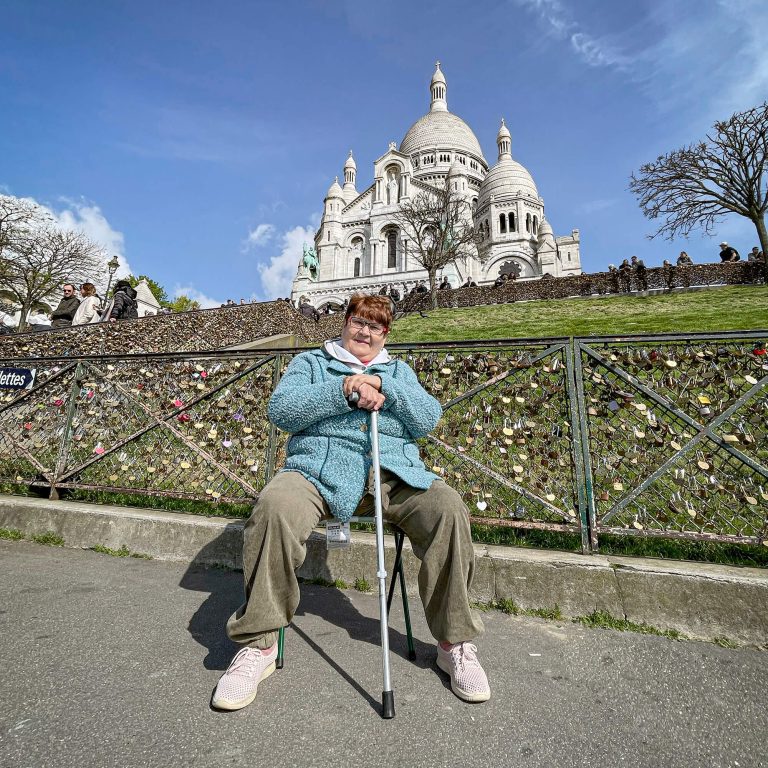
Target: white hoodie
[334,349]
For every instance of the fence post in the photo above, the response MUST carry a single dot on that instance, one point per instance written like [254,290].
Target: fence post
[578,429]
[586,460]
[66,438]
[272,439]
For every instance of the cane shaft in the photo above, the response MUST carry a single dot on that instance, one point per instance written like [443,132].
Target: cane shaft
[381,573]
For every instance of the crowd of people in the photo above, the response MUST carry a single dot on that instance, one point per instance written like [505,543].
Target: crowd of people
[633,271]
[89,307]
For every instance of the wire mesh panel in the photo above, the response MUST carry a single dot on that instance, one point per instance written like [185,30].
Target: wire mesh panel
[675,437]
[505,439]
[33,425]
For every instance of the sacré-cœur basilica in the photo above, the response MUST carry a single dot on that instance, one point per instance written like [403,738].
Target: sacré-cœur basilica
[359,245]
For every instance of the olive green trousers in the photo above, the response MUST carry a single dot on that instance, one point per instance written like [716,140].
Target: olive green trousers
[435,520]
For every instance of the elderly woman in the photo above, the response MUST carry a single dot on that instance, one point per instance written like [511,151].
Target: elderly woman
[89,310]
[328,472]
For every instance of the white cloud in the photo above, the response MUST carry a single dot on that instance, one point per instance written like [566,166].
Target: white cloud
[277,276]
[596,53]
[205,302]
[259,235]
[89,219]
[560,23]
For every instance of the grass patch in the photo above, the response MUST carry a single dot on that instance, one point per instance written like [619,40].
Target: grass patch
[122,552]
[510,607]
[320,582]
[628,546]
[12,534]
[362,585]
[714,309]
[49,538]
[724,642]
[187,506]
[604,620]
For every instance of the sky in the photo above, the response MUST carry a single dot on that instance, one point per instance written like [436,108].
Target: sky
[197,140]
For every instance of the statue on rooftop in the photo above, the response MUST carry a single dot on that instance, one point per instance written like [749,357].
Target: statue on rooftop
[309,262]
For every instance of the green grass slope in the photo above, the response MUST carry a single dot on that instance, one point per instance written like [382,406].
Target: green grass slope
[714,309]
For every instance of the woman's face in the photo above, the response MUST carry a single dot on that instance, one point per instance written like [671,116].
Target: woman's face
[82,292]
[358,338]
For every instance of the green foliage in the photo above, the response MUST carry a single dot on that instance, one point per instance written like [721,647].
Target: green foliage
[715,309]
[11,533]
[628,546]
[122,552]
[182,303]
[604,620]
[49,538]
[157,290]
[724,642]
[361,585]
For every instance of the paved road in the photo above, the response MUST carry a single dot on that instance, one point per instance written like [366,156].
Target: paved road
[111,662]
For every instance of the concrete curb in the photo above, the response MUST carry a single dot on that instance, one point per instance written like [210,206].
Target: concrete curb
[701,600]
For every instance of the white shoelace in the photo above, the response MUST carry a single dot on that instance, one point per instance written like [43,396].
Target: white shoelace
[245,662]
[465,654]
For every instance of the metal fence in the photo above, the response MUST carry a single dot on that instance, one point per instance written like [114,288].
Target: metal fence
[644,436]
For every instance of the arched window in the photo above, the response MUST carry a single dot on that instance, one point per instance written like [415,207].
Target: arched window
[391,249]
[535,225]
[502,223]
[512,223]
[357,268]
[487,229]
[527,222]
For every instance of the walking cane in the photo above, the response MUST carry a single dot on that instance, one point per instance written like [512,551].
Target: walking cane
[387,696]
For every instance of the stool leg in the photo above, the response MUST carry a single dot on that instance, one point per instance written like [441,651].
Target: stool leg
[406,612]
[399,572]
[280,647]
[398,569]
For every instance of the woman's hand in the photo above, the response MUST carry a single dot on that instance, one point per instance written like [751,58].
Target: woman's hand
[370,398]
[354,382]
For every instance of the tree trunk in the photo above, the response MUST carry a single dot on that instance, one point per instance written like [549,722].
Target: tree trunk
[25,310]
[433,287]
[762,234]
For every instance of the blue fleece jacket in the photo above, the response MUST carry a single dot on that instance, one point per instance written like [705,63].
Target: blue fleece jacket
[330,444]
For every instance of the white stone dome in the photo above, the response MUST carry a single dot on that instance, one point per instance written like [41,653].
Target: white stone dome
[443,130]
[334,190]
[350,164]
[545,229]
[507,178]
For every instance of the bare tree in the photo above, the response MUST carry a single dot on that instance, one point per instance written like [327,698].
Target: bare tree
[698,184]
[36,258]
[439,223]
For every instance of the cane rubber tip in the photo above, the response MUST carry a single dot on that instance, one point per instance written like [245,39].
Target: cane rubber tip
[279,664]
[412,655]
[388,705]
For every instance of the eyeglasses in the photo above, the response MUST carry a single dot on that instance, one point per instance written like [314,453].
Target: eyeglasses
[68,290]
[376,329]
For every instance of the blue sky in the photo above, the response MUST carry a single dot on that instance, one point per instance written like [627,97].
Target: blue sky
[198,140]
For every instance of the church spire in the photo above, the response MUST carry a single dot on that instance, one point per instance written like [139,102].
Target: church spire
[504,141]
[438,89]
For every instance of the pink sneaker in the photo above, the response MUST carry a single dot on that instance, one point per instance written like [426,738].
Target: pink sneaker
[238,685]
[468,680]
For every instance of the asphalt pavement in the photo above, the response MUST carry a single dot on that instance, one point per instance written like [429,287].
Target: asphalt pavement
[111,661]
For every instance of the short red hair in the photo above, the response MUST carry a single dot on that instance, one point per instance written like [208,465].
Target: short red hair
[377,309]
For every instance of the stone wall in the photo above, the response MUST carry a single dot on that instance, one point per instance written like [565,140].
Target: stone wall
[216,329]
[598,283]
[198,331]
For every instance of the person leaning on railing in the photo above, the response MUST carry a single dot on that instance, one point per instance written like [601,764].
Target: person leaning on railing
[328,472]
[89,310]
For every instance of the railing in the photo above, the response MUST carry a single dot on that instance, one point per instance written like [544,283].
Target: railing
[656,436]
